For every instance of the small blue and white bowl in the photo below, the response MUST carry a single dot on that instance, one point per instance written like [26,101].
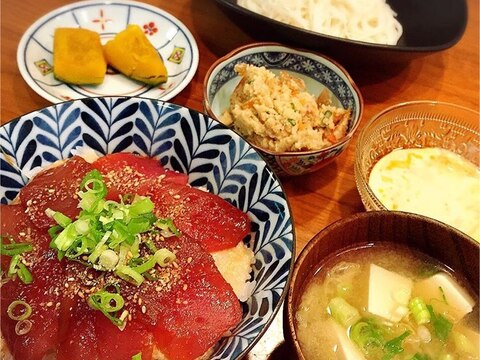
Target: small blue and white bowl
[318,72]
[184,140]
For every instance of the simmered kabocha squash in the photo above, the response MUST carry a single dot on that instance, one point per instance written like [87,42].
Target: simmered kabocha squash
[78,56]
[131,53]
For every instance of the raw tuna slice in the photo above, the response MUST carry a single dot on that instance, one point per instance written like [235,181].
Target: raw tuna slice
[42,294]
[192,307]
[203,216]
[116,344]
[125,172]
[54,188]
[80,338]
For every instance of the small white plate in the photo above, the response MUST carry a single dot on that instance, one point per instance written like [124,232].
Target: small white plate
[168,35]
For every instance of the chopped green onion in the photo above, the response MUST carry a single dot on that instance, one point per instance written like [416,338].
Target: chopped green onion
[462,343]
[23,327]
[344,313]
[81,246]
[53,232]
[164,257]
[147,265]
[419,311]
[151,246]
[66,238]
[24,274]
[141,205]
[107,303]
[367,336]
[129,275]
[61,219]
[24,308]
[168,225]
[98,187]
[108,259]
[13,267]
[139,225]
[82,226]
[15,248]
[107,234]
[134,249]
[137,356]
[394,346]
[99,248]
[441,325]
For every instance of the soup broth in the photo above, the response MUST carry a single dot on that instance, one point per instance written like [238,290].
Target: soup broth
[386,302]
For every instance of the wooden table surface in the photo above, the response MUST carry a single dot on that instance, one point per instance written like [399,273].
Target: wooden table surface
[317,199]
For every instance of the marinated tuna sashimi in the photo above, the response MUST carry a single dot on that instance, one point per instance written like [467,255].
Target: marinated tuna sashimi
[132,340]
[113,279]
[124,173]
[179,309]
[35,291]
[79,336]
[207,218]
[54,188]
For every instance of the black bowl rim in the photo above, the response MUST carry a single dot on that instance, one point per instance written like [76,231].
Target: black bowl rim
[232,5]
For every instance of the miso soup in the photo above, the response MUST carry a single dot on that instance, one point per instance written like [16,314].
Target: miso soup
[387,302]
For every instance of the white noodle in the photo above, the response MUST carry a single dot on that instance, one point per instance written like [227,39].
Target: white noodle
[364,20]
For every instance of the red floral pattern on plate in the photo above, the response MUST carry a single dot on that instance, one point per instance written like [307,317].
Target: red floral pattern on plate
[150,28]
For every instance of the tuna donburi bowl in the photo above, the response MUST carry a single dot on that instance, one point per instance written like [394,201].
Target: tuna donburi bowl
[89,259]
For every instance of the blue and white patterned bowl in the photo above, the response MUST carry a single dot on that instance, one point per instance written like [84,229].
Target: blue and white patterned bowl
[183,140]
[318,72]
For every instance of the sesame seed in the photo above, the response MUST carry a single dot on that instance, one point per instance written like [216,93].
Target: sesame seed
[144,309]
[49,304]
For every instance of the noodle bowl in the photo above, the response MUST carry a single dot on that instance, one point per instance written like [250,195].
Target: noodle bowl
[363,20]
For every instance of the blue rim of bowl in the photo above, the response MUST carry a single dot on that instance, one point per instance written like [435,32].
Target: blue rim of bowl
[239,50]
[283,296]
